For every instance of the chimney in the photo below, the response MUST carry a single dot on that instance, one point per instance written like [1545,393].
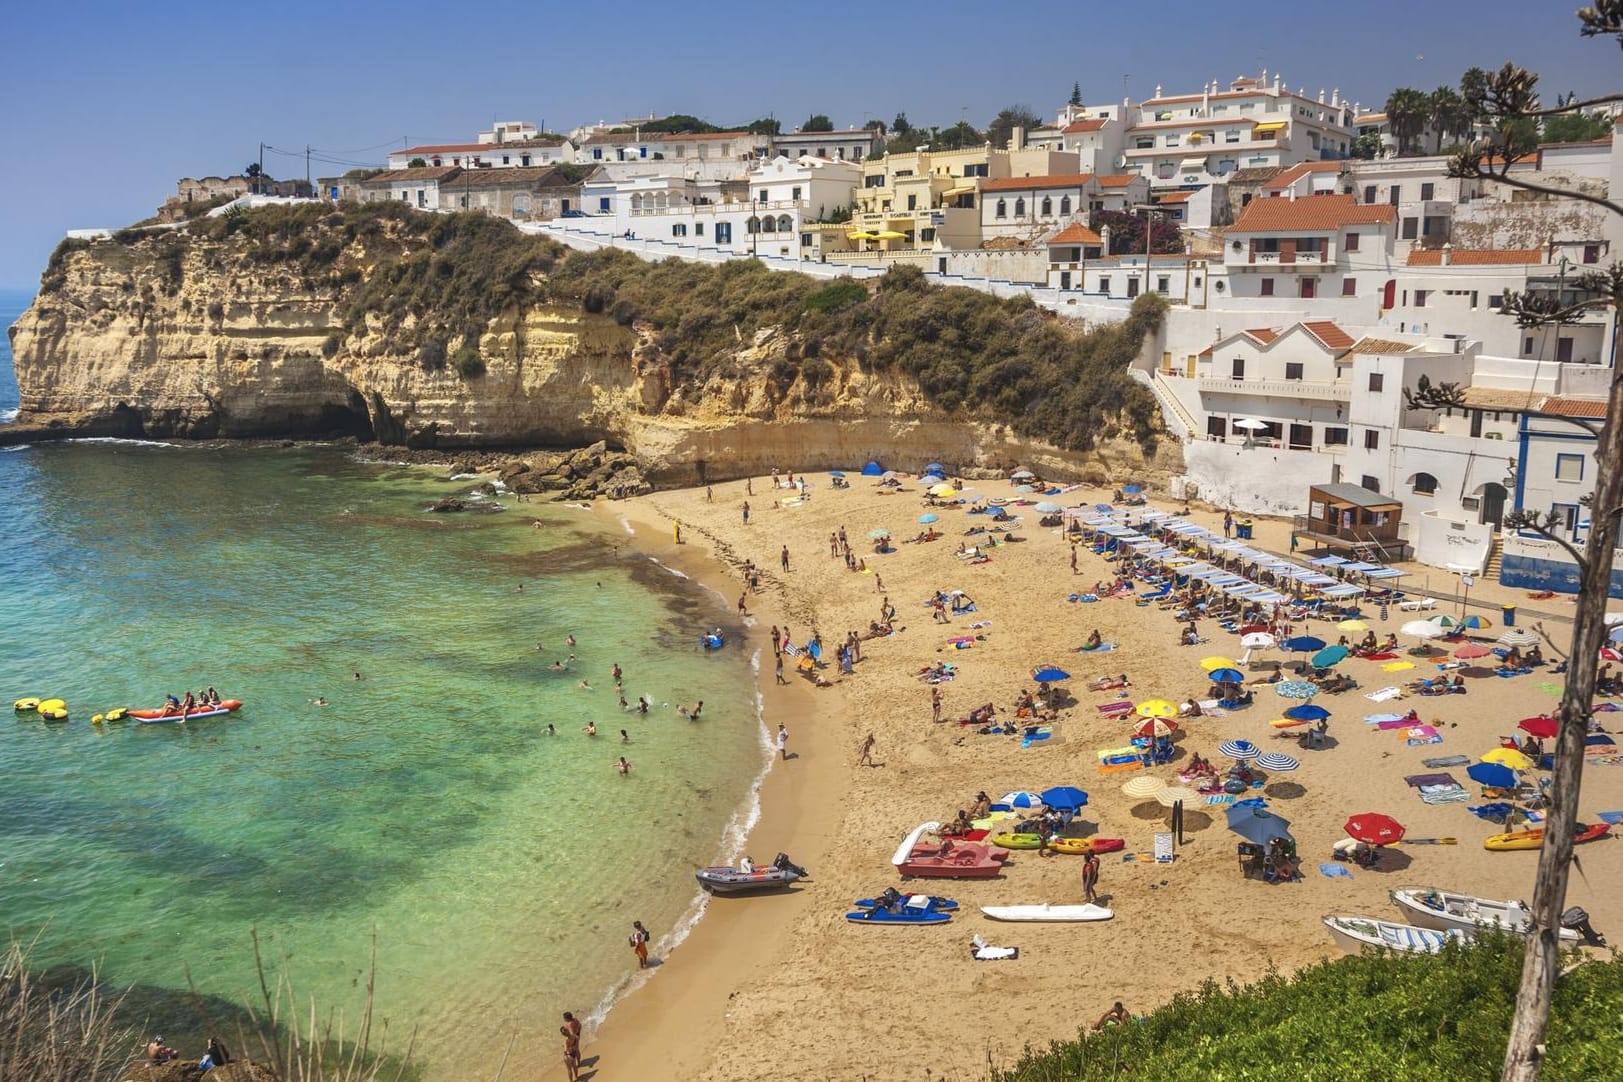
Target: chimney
[1104,237]
[1448,255]
[1158,90]
[1017,138]
[1205,101]
[1321,95]
[1335,98]
[1276,83]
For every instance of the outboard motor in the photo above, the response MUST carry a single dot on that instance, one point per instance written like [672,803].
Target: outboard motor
[784,864]
[1577,919]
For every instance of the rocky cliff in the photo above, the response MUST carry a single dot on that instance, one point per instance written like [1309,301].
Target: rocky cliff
[367,324]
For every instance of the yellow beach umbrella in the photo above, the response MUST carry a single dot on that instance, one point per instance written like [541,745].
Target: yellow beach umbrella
[1143,785]
[1397,666]
[1212,664]
[1156,708]
[1353,625]
[1508,757]
[943,490]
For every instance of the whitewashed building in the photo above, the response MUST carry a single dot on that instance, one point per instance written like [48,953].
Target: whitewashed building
[482,155]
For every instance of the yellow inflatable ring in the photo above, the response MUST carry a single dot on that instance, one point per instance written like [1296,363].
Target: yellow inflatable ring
[51,704]
[58,714]
[95,719]
[117,713]
[26,704]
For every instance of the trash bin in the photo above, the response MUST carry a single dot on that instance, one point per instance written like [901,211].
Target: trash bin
[1242,530]
[1508,614]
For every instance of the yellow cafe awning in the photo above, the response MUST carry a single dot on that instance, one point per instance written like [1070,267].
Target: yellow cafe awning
[962,189]
[859,235]
[890,234]
[1271,125]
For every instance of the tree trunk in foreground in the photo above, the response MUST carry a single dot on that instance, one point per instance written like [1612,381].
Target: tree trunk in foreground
[1524,1056]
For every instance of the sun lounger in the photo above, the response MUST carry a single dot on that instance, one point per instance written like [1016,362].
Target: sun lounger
[1417,604]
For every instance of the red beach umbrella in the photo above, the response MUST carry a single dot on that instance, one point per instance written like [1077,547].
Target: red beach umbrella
[1153,727]
[1251,629]
[1542,727]
[1474,650]
[1374,828]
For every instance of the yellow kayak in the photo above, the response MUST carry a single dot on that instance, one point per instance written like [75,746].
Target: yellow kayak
[1534,838]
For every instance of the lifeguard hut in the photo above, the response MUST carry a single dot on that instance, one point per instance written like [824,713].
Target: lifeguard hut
[1353,519]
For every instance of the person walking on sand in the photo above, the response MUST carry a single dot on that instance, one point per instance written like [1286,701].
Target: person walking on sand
[571,1033]
[746,512]
[709,494]
[783,742]
[865,755]
[639,943]
[1090,876]
[777,641]
[784,558]
[781,680]
[878,583]
[743,608]
[749,486]
[1073,557]
[1228,524]
[935,704]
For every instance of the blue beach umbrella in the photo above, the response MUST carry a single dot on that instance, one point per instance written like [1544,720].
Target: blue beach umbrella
[1303,643]
[936,467]
[836,473]
[1065,797]
[873,469]
[1257,825]
[1021,799]
[1238,749]
[1330,655]
[1050,675]
[1494,774]
[1307,712]
[1226,676]
[926,519]
[1132,490]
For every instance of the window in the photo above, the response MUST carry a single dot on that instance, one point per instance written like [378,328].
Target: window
[1132,287]
[603,205]
[1393,195]
[1335,437]
[1237,371]
[927,235]
[1369,193]
[1217,427]
[1428,191]
[1423,484]
[1350,244]
[679,230]
[1309,287]
[1231,136]
[786,224]
[1372,442]
[794,193]
[1371,483]
[1420,297]
[1142,143]
[1496,301]
[1293,369]
[1172,140]
[1569,467]
[1349,287]
[698,229]
[1376,382]
[1313,139]
[1527,344]
[1020,207]
[1002,208]
[724,232]
[1301,438]
[1163,283]
[1266,287]
[1411,228]
[1591,253]
[1064,205]
[1104,283]
[912,202]
[1048,206]
[805,240]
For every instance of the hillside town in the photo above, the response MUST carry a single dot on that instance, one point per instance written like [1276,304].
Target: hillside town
[1335,294]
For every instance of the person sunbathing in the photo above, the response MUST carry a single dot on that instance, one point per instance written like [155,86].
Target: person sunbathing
[1273,677]
[1115,1016]
[1198,766]
[982,807]
[1190,708]
[1390,644]
[1190,636]
[1110,683]
[1094,640]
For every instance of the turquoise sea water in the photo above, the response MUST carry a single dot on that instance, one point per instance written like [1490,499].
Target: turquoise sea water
[499,867]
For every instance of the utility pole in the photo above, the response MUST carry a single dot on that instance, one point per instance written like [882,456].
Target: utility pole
[307,186]
[259,180]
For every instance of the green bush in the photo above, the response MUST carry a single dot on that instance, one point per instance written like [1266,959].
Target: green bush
[431,355]
[838,294]
[469,362]
[329,346]
[1371,1017]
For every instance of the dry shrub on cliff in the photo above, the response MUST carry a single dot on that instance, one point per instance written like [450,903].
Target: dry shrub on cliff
[56,1032]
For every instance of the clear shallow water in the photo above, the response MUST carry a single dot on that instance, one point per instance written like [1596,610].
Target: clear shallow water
[500,867]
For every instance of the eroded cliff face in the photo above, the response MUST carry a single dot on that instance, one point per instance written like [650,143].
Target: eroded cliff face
[186,336]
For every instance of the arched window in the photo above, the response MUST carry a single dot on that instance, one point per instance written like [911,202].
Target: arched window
[1020,207]
[1002,208]
[636,203]
[752,226]
[1065,204]
[769,224]
[786,224]
[1423,484]
[1048,207]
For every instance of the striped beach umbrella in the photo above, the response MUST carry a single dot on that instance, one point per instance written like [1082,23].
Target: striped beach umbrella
[1020,798]
[1276,763]
[1238,749]
[1143,786]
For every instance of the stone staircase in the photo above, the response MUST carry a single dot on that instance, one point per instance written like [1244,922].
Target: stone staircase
[1496,556]
[1178,419]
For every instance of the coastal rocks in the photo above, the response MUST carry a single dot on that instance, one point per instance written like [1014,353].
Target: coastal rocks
[455,504]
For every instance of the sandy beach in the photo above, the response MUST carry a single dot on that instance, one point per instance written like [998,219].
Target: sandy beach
[783,986]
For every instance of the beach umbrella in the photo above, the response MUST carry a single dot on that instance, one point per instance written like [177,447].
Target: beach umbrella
[1050,675]
[1508,757]
[1297,689]
[1024,488]
[1049,507]
[1151,727]
[1226,676]
[1615,635]
[1156,708]
[1276,763]
[1307,712]
[1373,828]
[1541,727]
[1065,797]
[1172,794]
[1132,490]
[936,467]
[928,518]
[1239,749]
[1250,423]
[1143,785]
[1021,799]
[873,469]
[1021,475]
[1330,655]
[1471,621]
[1212,664]
[1253,629]
[1257,825]
[1258,640]
[1303,643]
[1421,629]
[836,473]
[1495,774]
[1609,654]
[1352,625]
[943,489]
[1473,650]
[878,534]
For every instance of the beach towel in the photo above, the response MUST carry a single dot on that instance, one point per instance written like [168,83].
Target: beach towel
[1084,598]
[1614,818]
[1102,648]
[1421,735]
[1121,768]
[1335,871]
[1493,813]
[1396,723]
[1418,780]
[1376,719]
[1397,666]
[1549,689]
[1254,802]
[1443,794]
[1106,755]
[1379,657]
[985,952]
[1446,760]
[1220,798]
[1036,735]
[1384,695]
[1114,708]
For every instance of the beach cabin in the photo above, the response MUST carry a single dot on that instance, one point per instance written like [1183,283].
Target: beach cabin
[1351,518]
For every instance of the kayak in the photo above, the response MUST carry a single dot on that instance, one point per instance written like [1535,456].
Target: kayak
[906,916]
[1017,841]
[919,901]
[1060,913]
[159,717]
[1534,838]
[1083,846]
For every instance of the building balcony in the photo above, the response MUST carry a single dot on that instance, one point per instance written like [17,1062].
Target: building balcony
[1315,260]
[1276,388]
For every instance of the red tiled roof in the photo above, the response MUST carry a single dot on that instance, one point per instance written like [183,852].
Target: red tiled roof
[1081,126]
[1076,233]
[1175,197]
[1567,406]
[1262,334]
[1118,180]
[1300,170]
[1310,212]
[418,173]
[473,148]
[1026,184]
[1380,345]
[1327,332]
[1475,257]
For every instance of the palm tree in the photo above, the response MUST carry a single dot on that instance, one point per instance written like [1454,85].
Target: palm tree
[1448,115]
[1406,114]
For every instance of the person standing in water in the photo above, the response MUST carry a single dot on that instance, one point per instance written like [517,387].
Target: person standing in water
[571,1034]
[622,766]
[783,742]
[590,728]
[639,943]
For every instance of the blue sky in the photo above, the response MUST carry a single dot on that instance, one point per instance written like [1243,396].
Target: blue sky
[106,104]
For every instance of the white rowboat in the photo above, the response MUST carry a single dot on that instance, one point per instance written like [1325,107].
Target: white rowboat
[1069,914]
[1355,934]
[1432,908]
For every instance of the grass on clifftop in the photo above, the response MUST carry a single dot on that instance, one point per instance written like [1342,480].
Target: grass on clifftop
[1371,1017]
[434,282]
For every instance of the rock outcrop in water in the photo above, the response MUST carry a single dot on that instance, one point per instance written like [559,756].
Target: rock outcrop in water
[449,333]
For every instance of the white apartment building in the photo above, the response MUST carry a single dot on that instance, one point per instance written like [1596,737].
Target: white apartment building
[509,131]
[821,186]
[1096,134]
[1314,249]
[843,145]
[484,155]
[1027,209]
[736,146]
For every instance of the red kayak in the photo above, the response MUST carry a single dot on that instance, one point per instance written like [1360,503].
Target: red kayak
[168,714]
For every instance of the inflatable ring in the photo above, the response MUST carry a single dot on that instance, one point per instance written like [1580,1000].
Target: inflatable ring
[55,714]
[117,713]
[95,719]
[22,705]
[51,704]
